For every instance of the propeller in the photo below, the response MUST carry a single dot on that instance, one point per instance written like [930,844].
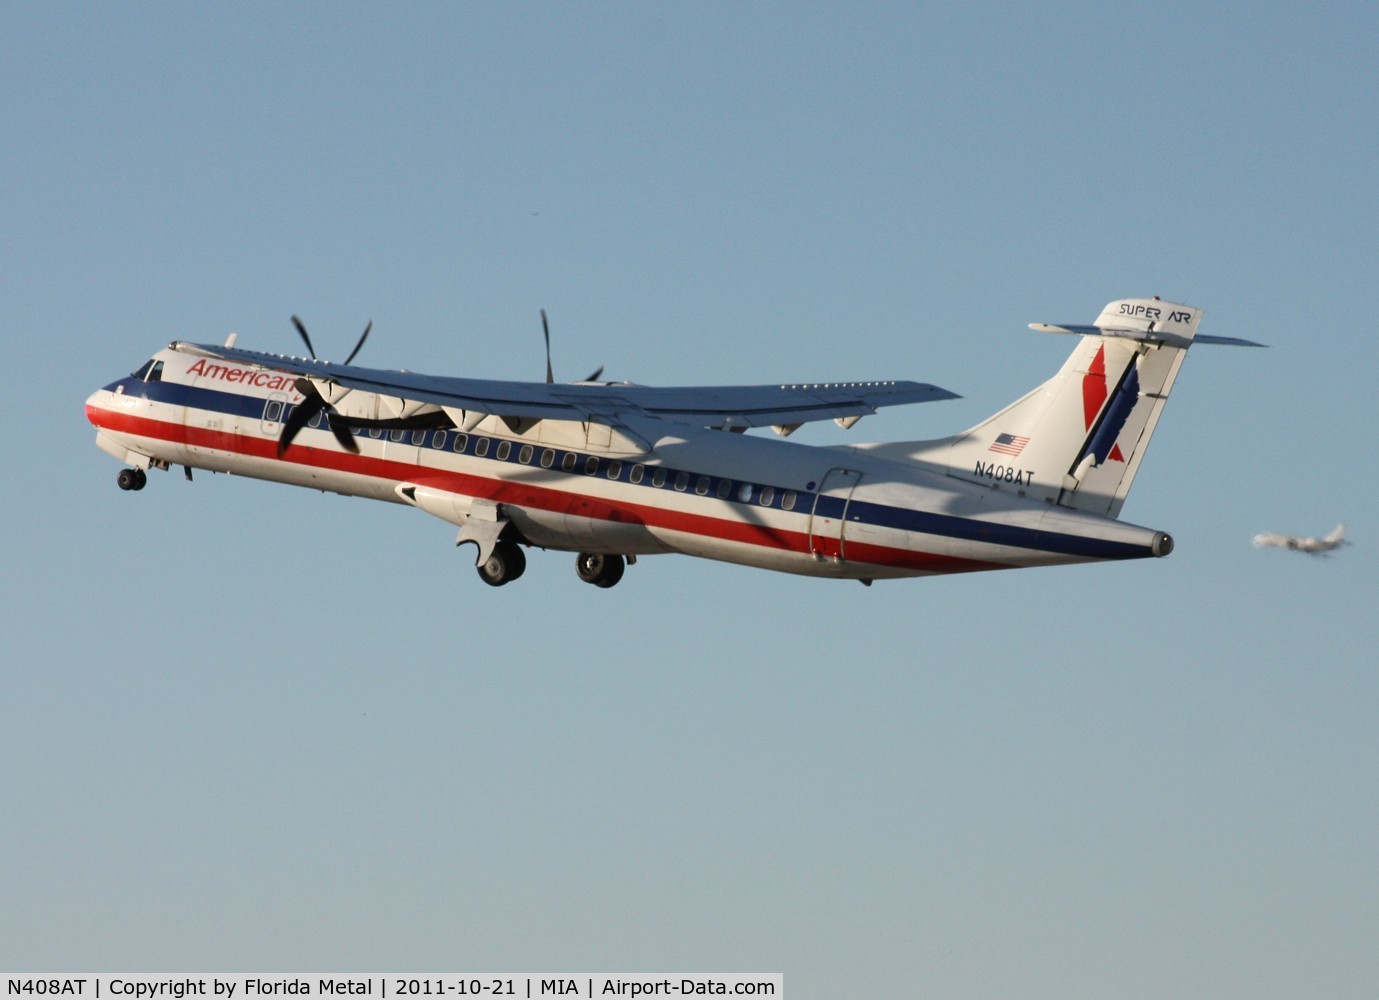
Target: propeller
[303,413]
[550,376]
[301,328]
[314,403]
[362,337]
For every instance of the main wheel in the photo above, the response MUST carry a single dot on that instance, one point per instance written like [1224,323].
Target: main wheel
[599,569]
[504,564]
[131,479]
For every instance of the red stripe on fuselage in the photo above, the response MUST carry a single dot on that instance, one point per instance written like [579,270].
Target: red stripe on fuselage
[528,495]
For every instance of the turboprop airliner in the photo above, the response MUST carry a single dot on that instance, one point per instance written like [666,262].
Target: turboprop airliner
[614,471]
[1304,543]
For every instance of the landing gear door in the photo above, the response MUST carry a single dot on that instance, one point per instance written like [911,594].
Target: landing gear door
[828,518]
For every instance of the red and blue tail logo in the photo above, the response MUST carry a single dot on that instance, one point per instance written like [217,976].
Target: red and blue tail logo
[1096,388]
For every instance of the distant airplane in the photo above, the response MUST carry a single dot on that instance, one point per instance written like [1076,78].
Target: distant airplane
[1302,543]
[613,471]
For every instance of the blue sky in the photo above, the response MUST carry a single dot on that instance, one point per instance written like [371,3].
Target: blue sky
[250,728]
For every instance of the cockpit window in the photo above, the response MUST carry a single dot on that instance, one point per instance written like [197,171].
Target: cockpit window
[152,371]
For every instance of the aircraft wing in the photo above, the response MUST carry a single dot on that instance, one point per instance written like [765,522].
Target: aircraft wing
[741,406]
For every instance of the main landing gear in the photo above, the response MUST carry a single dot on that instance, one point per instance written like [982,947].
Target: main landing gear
[507,562]
[504,564]
[131,479]
[599,569]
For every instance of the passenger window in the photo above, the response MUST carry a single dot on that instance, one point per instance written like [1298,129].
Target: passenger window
[614,470]
[374,432]
[273,411]
[461,442]
[397,436]
[635,476]
[591,466]
[658,478]
[701,486]
[315,420]
[681,481]
[768,493]
[568,462]
[418,438]
[725,486]
[504,448]
[438,439]
[524,456]
[745,494]
[787,500]
[481,447]
[547,458]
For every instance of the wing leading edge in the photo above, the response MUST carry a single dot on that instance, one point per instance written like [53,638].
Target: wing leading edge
[740,406]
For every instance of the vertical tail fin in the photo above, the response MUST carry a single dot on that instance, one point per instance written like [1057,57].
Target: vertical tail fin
[1078,439]
[1335,540]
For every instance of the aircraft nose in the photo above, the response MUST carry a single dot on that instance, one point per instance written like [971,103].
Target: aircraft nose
[93,405]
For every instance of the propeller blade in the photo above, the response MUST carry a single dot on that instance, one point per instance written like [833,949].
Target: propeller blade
[595,377]
[302,414]
[299,417]
[342,434]
[546,329]
[363,338]
[302,330]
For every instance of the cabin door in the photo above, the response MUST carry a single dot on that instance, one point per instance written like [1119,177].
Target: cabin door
[829,517]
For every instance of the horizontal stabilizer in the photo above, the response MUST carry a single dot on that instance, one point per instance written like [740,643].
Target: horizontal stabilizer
[1145,336]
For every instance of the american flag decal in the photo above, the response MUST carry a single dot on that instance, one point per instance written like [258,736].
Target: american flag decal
[1009,444]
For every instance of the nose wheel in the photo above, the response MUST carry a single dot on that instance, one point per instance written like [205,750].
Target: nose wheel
[600,569]
[131,479]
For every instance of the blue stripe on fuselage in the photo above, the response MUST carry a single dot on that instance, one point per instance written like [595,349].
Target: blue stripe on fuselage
[858,511]
[236,404]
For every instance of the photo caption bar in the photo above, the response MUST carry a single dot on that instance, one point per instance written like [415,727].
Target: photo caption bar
[387,986]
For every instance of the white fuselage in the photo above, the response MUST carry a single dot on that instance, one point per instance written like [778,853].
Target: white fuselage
[655,486]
